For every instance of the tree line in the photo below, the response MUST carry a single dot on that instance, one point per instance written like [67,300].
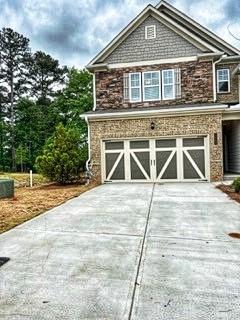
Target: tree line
[36,95]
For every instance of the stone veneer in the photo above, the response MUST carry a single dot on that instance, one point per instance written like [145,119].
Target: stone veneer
[206,124]
[196,85]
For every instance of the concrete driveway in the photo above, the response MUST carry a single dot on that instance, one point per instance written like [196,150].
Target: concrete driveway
[126,251]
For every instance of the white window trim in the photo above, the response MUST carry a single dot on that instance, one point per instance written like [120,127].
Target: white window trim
[163,85]
[154,32]
[130,87]
[229,83]
[143,86]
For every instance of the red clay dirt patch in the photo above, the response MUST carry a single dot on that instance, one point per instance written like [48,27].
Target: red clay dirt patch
[234,235]
[30,202]
[230,192]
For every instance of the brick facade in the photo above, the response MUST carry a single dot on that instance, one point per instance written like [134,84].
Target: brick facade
[165,126]
[196,85]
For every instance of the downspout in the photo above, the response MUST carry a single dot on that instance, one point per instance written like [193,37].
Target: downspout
[89,153]
[89,174]
[214,79]
[94,92]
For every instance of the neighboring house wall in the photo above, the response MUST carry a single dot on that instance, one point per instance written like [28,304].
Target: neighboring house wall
[164,126]
[167,44]
[233,95]
[234,147]
[196,85]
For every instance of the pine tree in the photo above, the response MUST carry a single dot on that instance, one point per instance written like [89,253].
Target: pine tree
[46,76]
[15,57]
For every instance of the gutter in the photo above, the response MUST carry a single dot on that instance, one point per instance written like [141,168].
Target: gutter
[231,58]
[233,109]
[149,113]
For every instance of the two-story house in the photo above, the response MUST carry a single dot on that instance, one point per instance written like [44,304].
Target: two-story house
[166,95]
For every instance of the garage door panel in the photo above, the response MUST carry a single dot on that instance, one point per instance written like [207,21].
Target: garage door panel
[198,157]
[171,170]
[138,162]
[119,172]
[144,159]
[190,167]
[111,158]
[115,166]
[188,170]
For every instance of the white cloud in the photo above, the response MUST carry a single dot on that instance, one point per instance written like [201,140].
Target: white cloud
[75,30]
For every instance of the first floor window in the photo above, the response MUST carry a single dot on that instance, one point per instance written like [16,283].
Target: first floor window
[151,86]
[135,87]
[168,84]
[223,80]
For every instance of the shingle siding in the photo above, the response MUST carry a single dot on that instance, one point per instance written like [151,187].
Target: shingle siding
[167,44]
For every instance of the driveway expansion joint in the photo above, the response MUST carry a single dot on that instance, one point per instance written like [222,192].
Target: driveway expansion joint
[137,278]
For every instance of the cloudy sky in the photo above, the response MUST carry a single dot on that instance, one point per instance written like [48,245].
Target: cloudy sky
[73,31]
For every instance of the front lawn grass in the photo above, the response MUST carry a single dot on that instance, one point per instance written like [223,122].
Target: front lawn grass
[30,202]
[23,179]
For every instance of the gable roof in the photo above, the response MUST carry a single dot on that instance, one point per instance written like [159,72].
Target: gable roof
[196,28]
[150,10]
[177,21]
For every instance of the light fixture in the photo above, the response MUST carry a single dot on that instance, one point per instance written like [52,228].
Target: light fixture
[152,126]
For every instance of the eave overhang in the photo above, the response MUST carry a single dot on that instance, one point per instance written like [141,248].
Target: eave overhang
[156,112]
[197,28]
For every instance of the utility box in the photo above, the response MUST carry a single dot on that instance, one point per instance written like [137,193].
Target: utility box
[6,188]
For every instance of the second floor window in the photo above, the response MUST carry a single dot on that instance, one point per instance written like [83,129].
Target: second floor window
[152,85]
[223,80]
[135,87]
[168,84]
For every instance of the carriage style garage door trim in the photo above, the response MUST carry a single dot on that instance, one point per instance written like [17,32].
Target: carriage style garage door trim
[156,160]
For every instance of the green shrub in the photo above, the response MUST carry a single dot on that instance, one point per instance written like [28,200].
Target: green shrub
[64,156]
[236,184]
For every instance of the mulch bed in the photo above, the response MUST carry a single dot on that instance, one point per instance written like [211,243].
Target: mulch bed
[30,202]
[230,192]
[235,196]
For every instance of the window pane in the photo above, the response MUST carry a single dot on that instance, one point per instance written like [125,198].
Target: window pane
[139,144]
[193,142]
[152,93]
[114,145]
[223,74]
[168,91]
[223,86]
[168,76]
[135,94]
[166,143]
[151,78]
[135,80]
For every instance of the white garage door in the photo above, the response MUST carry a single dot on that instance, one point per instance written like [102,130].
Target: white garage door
[156,160]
